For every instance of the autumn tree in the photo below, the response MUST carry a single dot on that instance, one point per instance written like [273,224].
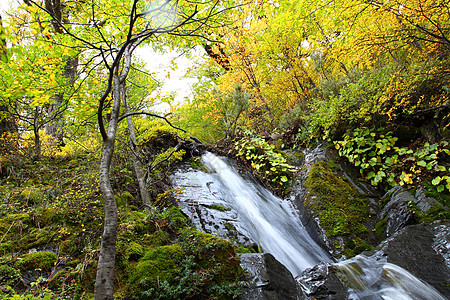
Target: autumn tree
[125,26]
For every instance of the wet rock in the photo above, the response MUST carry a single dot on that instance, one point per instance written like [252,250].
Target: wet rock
[266,278]
[423,251]
[396,214]
[320,282]
[424,202]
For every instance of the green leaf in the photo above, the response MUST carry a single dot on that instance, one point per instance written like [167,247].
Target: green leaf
[440,188]
[284,179]
[441,168]
[436,180]
[422,163]
[370,175]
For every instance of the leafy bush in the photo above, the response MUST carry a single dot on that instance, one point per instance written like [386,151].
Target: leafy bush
[381,161]
[268,163]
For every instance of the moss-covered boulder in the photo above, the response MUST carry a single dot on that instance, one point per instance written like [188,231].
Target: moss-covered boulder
[32,195]
[199,266]
[341,210]
[43,260]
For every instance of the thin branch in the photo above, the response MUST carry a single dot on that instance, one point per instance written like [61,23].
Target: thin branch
[151,115]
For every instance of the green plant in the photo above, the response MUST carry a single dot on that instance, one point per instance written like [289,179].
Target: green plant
[269,163]
[381,161]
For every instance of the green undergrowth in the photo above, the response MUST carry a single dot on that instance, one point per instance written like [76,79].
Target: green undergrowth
[341,210]
[382,162]
[50,226]
[267,161]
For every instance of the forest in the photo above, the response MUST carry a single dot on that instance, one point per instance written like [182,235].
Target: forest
[88,210]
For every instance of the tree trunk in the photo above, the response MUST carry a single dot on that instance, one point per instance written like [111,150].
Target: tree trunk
[138,167]
[56,127]
[104,283]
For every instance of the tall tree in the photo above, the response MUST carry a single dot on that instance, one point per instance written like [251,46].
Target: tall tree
[129,24]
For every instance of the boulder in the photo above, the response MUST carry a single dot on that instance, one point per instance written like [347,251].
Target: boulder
[266,278]
[423,250]
[396,214]
[321,282]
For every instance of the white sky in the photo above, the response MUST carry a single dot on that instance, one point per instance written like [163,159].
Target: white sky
[160,64]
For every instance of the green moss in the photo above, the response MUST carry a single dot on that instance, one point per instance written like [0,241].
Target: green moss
[67,247]
[219,207]
[158,265]
[9,276]
[32,195]
[7,247]
[242,249]
[197,267]
[175,218]
[342,212]
[57,280]
[72,263]
[380,228]
[36,237]
[134,251]
[38,260]
[124,199]
[158,238]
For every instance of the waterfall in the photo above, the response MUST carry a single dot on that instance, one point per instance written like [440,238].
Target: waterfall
[266,219]
[276,226]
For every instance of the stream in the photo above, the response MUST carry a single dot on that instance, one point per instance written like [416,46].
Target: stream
[258,216]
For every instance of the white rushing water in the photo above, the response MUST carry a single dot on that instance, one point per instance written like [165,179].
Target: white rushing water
[267,219]
[374,278]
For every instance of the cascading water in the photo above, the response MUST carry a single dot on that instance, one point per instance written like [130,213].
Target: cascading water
[266,219]
[277,228]
[374,278]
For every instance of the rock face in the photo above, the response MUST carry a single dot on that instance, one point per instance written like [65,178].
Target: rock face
[320,282]
[267,279]
[423,251]
[396,214]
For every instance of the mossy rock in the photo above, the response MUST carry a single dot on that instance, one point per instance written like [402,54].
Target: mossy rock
[197,267]
[32,195]
[50,217]
[9,276]
[175,217]
[68,247]
[134,251]
[36,237]
[158,238]
[38,260]
[161,264]
[7,247]
[341,210]
[124,199]
[211,252]
[219,207]
[14,220]
[142,224]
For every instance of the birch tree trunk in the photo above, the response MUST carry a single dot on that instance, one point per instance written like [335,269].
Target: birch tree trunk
[104,282]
